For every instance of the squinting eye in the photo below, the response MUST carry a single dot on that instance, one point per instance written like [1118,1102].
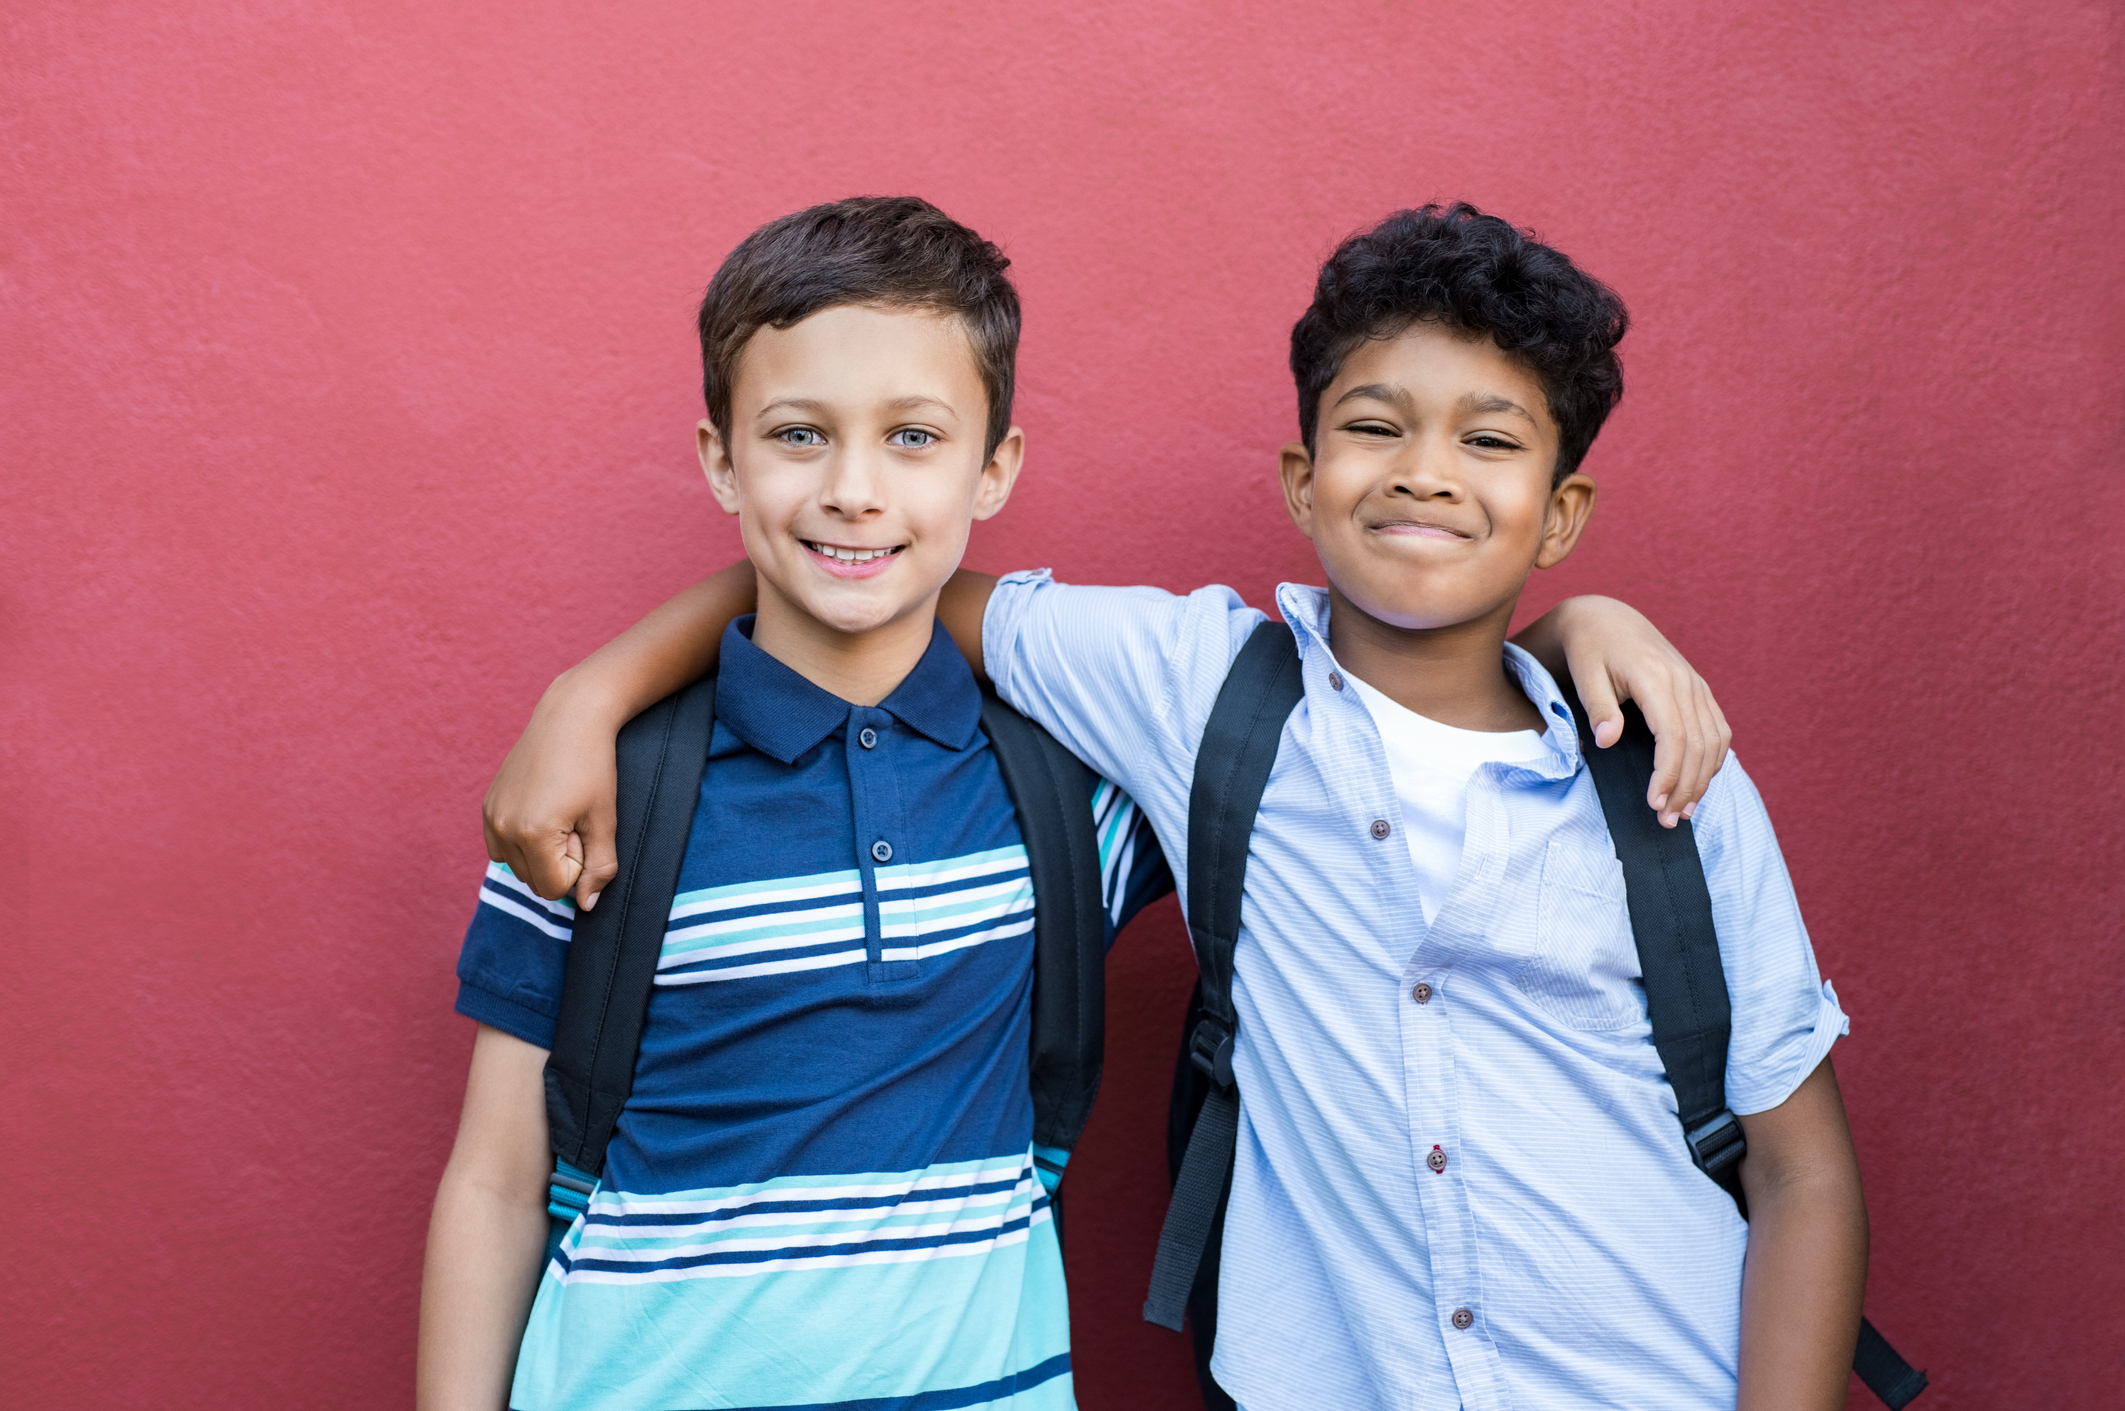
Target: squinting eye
[1493,443]
[800,436]
[910,438]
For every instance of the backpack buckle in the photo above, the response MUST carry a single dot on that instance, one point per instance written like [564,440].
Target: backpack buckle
[1210,1048]
[568,1193]
[1717,1145]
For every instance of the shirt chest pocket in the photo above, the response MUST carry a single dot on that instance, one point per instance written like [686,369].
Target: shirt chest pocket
[1585,972]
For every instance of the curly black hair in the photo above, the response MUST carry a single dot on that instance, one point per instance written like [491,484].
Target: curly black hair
[1462,269]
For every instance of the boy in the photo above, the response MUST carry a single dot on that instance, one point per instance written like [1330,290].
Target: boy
[822,1188]
[1459,1176]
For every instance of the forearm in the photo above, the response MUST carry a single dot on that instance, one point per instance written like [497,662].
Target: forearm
[487,1237]
[961,607]
[1806,1271]
[485,1250]
[672,647]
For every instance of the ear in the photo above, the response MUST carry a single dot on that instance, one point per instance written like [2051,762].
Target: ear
[1000,474]
[1571,505]
[716,465]
[1295,468]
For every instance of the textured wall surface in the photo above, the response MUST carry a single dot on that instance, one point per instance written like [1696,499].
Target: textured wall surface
[348,393]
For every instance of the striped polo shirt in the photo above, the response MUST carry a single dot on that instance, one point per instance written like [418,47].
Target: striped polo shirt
[822,1191]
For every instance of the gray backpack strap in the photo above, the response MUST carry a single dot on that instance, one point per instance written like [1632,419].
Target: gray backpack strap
[1231,769]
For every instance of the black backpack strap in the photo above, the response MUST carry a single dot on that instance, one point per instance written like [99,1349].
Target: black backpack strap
[613,951]
[1678,950]
[1686,988]
[1231,769]
[1052,793]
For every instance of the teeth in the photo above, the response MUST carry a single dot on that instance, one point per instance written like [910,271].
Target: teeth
[851,555]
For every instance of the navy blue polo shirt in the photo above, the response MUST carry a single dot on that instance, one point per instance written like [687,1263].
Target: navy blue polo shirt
[822,1190]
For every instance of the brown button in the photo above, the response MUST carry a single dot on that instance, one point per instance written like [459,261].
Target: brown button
[1335,680]
[1437,1160]
[1381,828]
[1421,994]
[1463,1319]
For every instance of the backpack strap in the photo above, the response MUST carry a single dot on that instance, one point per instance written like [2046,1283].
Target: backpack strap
[1678,949]
[1231,769]
[1052,792]
[1686,988]
[613,951]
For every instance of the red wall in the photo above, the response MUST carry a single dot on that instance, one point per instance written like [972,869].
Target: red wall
[348,397]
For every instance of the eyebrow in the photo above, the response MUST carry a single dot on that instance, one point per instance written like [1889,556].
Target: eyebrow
[1477,403]
[898,404]
[1377,392]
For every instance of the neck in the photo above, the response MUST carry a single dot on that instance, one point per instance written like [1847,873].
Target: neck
[1455,674]
[860,667]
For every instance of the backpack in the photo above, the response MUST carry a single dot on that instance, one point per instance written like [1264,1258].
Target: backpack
[1671,919]
[613,951]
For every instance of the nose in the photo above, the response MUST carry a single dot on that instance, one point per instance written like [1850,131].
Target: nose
[1428,470]
[855,483]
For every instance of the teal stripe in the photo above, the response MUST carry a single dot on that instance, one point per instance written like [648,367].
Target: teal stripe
[824,1334]
[850,878]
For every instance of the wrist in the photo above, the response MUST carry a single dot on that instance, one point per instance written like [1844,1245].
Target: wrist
[584,699]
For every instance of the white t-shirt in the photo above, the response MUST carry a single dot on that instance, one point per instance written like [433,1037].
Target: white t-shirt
[1432,764]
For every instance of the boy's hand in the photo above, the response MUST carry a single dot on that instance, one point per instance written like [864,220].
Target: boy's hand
[1614,655]
[548,814]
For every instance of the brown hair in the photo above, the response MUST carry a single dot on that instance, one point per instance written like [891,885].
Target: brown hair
[899,251]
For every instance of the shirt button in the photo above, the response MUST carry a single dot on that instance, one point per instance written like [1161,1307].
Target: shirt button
[1381,828]
[1421,994]
[1463,1319]
[1335,680]
[1437,1160]
[882,850]
[868,739]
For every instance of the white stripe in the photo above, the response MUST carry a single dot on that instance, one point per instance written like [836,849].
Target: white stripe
[902,879]
[738,924]
[846,1215]
[524,913]
[825,1261]
[796,942]
[773,967]
[986,1220]
[623,1204]
[1018,898]
[496,872]
[803,889]
[1016,928]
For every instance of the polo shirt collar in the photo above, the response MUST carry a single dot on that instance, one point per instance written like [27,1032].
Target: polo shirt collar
[781,714]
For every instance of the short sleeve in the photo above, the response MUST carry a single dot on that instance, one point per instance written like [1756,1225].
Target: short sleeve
[1786,1017]
[1132,869]
[514,958]
[1124,677]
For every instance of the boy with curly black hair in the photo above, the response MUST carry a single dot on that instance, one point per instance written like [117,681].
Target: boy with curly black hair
[1459,1178]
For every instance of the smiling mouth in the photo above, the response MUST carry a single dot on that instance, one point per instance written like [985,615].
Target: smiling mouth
[1420,529]
[842,553]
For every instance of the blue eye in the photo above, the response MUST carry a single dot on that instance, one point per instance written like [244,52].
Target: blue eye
[910,438]
[800,436]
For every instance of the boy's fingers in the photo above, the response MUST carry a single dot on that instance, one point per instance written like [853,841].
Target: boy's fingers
[1598,694]
[601,857]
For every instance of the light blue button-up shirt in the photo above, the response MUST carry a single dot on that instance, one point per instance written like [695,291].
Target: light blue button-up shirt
[1508,1150]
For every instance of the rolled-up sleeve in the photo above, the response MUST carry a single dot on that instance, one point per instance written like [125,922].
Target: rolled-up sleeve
[1786,1016]
[1124,677]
